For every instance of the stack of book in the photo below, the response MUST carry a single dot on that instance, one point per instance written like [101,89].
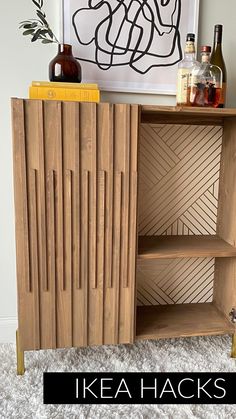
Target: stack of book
[76,92]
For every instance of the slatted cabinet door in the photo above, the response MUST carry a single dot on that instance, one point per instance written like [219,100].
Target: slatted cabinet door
[75,174]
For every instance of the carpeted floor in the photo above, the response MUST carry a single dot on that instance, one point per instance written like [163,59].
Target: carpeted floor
[21,397]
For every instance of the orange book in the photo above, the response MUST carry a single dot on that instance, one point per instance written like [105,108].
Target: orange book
[73,95]
[64,85]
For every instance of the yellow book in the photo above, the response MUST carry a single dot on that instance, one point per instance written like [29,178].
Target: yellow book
[87,86]
[74,95]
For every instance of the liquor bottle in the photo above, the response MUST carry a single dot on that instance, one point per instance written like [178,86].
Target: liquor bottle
[184,70]
[206,82]
[217,59]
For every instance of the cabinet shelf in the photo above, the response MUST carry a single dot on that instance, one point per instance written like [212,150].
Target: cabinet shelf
[164,247]
[180,320]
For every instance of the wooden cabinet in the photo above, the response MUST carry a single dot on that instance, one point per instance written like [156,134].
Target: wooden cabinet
[89,179]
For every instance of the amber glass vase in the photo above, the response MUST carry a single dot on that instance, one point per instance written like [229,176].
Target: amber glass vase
[64,67]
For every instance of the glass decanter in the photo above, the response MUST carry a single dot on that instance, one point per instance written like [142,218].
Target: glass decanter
[206,82]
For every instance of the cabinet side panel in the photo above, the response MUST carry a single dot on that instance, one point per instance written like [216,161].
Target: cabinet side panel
[26,244]
[225,275]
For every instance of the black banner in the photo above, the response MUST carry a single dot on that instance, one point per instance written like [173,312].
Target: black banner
[139,388]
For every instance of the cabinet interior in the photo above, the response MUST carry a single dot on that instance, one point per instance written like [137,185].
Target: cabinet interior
[186,243]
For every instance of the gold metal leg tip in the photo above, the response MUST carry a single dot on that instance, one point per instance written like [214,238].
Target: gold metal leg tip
[233,352]
[19,357]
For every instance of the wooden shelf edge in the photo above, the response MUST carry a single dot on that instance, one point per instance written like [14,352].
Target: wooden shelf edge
[189,110]
[172,247]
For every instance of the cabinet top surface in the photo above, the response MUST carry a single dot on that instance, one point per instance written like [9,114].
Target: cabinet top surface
[188,110]
[178,111]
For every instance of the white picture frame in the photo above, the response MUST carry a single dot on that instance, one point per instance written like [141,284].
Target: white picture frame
[136,73]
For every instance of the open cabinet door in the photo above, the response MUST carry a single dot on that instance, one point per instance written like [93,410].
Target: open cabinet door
[75,180]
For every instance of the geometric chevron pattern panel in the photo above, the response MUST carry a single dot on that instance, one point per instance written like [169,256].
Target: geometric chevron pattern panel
[179,175]
[178,195]
[175,281]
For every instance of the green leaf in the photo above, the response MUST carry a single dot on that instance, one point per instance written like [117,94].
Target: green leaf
[24,22]
[46,41]
[44,32]
[30,25]
[36,3]
[27,26]
[42,18]
[36,35]
[50,33]
[40,13]
[28,32]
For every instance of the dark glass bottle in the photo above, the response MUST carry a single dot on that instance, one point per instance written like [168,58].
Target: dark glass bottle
[64,67]
[218,59]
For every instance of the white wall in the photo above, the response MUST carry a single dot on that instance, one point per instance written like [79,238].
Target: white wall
[20,63]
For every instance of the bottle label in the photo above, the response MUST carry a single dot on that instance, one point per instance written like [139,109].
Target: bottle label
[190,47]
[182,88]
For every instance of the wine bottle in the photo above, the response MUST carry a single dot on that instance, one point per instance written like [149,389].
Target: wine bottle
[184,70]
[218,59]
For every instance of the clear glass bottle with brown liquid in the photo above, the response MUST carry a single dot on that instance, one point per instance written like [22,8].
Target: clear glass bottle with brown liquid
[206,82]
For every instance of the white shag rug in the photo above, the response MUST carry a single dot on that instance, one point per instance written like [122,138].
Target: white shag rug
[22,396]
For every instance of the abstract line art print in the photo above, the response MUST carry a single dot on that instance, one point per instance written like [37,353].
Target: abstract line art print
[130,45]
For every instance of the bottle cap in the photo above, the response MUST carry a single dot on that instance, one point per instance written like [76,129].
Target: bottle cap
[205,48]
[190,37]
[218,28]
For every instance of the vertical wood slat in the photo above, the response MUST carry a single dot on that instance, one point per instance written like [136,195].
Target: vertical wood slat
[85,248]
[51,250]
[42,205]
[127,120]
[73,293]
[85,227]
[48,197]
[38,147]
[95,293]
[132,228]
[21,197]
[71,197]
[37,139]
[108,161]
[81,210]
[116,246]
[93,200]
[125,199]
[53,162]
[68,228]
[28,310]
[108,292]
[101,228]
[32,135]
[34,254]
[49,334]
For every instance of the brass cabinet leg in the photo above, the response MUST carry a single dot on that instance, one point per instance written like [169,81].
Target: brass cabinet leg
[19,356]
[233,353]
